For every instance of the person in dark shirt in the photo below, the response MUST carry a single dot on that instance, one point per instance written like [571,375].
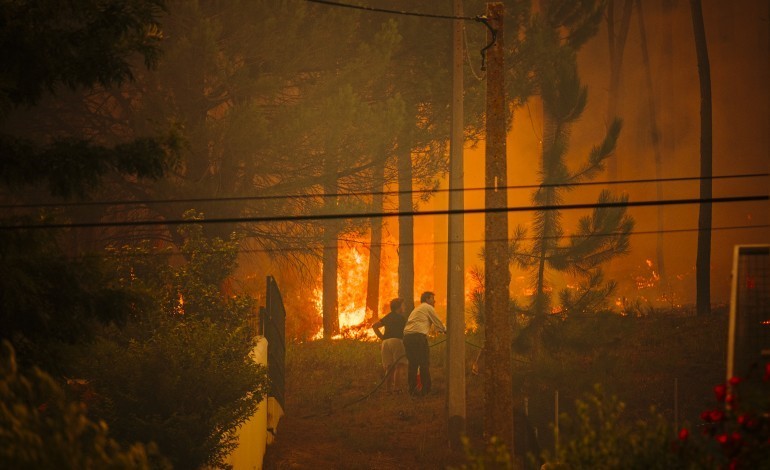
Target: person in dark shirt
[393,354]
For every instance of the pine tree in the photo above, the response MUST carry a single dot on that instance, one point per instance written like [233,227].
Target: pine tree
[600,236]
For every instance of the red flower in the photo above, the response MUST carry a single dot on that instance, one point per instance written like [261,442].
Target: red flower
[736,437]
[743,419]
[705,415]
[720,391]
[723,439]
[684,434]
[730,399]
[717,415]
[735,380]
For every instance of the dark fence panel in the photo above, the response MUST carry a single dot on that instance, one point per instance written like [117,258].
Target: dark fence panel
[749,341]
[274,328]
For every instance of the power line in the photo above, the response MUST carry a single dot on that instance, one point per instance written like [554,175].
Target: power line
[532,238]
[373,193]
[447,242]
[479,19]
[395,12]
[367,215]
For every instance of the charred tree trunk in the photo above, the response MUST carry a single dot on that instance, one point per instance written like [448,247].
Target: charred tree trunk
[703,261]
[666,95]
[330,304]
[375,247]
[656,144]
[405,225]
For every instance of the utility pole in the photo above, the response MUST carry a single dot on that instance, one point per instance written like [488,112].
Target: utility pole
[497,373]
[455,248]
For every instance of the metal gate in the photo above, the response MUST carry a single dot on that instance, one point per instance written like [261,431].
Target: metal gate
[274,329]
[749,335]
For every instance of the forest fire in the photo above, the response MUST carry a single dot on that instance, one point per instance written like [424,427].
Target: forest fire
[649,279]
[352,279]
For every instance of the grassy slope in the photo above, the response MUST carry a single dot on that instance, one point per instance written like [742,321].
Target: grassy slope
[334,420]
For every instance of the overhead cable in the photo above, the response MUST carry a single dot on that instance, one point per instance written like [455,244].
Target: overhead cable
[373,193]
[367,215]
[368,245]
[479,19]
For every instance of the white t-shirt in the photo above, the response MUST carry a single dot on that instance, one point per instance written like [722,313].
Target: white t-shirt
[421,318]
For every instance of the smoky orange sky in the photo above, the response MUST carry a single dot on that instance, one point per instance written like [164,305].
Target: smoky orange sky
[739,47]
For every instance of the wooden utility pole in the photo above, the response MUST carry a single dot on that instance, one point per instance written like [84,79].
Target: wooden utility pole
[498,381]
[455,249]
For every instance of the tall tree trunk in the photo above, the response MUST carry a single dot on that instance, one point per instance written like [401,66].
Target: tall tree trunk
[666,90]
[656,144]
[405,224]
[703,261]
[617,45]
[330,304]
[375,246]
[498,380]
[331,321]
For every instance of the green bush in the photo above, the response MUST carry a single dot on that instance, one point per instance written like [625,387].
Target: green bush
[735,434]
[179,372]
[40,427]
[598,437]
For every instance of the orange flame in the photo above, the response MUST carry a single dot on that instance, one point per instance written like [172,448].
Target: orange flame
[179,309]
[352,281]
[649,279]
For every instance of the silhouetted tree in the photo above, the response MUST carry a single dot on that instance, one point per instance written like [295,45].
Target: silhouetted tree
[48,48]
[602,235]
[616,38]
[703,259]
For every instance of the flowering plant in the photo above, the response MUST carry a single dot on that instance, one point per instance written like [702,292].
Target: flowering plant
[736,430]
[733,435]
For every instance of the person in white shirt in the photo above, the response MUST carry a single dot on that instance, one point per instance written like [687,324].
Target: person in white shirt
[416,342]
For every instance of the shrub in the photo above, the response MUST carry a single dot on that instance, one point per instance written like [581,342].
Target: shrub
[41,428]
[600,438]
[735,434]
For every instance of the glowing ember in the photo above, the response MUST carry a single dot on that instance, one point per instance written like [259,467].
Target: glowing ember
[179,309]
[648,279]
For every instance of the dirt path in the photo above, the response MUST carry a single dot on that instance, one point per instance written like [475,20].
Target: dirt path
[382,432]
